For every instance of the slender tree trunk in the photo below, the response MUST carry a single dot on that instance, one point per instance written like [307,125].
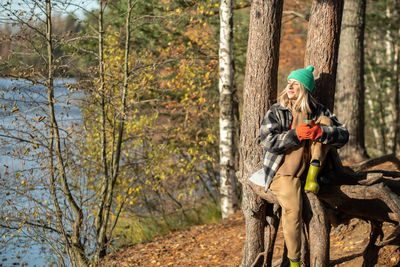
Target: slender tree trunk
[322,52]
[100,223]
[74,245]
[226,115]
[111,175]
[322,47]
[349,104]
[378,119]
[260,91]
[396,98]
[121,123]
[383,129]
[389,60]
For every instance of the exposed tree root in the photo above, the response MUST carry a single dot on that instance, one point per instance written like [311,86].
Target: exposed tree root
[376,161]
[369,195]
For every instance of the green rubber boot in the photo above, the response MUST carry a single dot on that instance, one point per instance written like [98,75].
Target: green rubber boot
[294,263]
[311,181]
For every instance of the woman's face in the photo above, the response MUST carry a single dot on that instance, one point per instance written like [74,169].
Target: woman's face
[293,89]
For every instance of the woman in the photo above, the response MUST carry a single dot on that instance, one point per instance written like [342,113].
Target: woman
[296,133]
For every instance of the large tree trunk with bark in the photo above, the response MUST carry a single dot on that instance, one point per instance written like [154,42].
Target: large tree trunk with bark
[260,91]
[322,47]
[322,52]
[349,96]
[226,113]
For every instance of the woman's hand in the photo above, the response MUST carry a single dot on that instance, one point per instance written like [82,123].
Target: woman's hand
[308,131]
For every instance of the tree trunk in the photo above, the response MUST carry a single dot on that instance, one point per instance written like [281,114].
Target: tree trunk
[396,72]
[396,98]
[116,156]
[377,119]
[322,47]
[226,113]
[389,83]
[322,52]
[318,230]
[349,104]
[100,223]
[72,240]
[260,91]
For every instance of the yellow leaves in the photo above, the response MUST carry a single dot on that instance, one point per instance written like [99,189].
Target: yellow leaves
[20,227]
[210,138]
[130,191]
[134,189]
[180,195]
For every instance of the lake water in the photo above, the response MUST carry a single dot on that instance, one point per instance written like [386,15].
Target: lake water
[20,100]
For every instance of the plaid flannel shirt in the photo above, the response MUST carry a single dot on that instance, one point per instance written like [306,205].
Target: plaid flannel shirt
[276,136]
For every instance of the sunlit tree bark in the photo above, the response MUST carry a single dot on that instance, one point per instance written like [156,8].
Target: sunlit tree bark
[349,96]
[226,114]
[322,52]
[260,92]
[322,47]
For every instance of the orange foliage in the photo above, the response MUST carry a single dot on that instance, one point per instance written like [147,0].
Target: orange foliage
[293,39]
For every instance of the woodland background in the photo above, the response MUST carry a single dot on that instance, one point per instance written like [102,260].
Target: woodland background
[143,158]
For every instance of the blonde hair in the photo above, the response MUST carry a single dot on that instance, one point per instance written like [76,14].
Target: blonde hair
[304,102]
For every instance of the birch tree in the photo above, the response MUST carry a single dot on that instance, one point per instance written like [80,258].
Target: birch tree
[226,116]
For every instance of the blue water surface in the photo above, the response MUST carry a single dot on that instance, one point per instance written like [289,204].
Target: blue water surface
[21,98]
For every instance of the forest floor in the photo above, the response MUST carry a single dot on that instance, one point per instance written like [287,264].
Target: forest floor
[221,244]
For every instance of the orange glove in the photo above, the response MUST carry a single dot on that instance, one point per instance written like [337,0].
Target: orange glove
[303,131]
[310,131]
[316,131]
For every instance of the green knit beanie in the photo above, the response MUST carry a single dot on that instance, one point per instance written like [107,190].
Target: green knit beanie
[304,76]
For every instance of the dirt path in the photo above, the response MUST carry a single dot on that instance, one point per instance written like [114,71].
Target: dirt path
[221,244]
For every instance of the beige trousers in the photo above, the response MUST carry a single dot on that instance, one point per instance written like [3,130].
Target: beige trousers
[287,190]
